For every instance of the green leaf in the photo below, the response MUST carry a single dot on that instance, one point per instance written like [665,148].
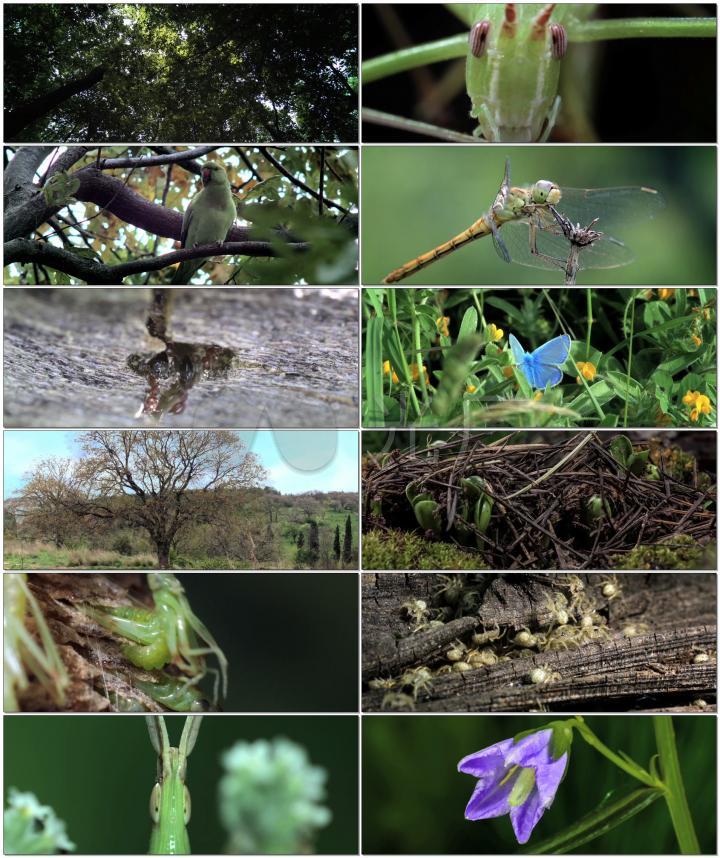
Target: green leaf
[468,326]
[456,368]
[613,811]
[374,410]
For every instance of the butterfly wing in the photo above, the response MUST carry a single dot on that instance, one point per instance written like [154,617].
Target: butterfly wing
[523,360]
[544,363]
[518,352]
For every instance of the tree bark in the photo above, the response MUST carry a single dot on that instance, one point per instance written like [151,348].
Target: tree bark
[28,112]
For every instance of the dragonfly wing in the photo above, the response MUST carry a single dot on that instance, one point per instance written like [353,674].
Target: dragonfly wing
[606,252]
[612,206]
[516,235]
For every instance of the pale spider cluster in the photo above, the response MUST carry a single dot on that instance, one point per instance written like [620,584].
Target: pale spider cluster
[568,619]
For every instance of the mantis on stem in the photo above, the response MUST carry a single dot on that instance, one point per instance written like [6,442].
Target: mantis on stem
[514,53]
[170,798]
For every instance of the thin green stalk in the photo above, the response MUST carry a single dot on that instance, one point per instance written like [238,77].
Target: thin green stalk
[410,58]
[675,788]
[630,353]
[414,126]
[454,47]
[627,765]
[643,28]
[588,298]
[417,347]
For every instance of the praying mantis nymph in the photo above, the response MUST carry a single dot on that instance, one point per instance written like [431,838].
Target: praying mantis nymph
[170,633]
[513,66]
[170,797]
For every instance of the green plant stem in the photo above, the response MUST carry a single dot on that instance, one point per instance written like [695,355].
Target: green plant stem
[628,766]
[643,28]
[454,47]
[417,345]
[588,298]
[675,788]
[390,120]
[630,352]
[418,55]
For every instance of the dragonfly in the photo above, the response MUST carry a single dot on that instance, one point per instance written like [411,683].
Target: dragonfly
[532,235]
[170,798]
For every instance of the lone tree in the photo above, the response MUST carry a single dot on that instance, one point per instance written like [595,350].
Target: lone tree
[336,543]
[159,481]
[347,551]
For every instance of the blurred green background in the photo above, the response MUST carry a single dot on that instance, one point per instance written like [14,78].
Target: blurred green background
[97,772]
[284,635]
[414,798]
[414,198]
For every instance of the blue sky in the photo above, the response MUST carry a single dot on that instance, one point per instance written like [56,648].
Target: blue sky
[295,462]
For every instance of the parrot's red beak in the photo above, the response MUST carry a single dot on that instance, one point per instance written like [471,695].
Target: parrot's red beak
[206,175]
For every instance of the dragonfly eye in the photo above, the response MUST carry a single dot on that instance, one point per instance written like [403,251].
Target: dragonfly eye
[186,805]
[155,804]
[478,38]
[558,34]
[541,191]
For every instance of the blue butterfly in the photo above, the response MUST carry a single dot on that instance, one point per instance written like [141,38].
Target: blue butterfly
[542,367]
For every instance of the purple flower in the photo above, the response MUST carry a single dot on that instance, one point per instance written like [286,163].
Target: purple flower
[519,777]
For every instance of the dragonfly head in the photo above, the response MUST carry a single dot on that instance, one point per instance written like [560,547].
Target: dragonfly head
[545,192]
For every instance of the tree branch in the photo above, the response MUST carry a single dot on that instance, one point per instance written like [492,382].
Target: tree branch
[298,182]
[27,112]
[157,160]
[95,273]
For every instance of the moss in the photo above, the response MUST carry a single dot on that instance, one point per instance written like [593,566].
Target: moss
[400,550]
[682,553]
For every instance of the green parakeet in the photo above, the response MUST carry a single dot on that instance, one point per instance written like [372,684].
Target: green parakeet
[207,219]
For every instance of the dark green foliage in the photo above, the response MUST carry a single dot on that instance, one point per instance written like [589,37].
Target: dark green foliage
[336,543]
[347,550]
[188,72]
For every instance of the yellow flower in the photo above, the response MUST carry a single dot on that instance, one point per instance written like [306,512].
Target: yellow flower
[537,396]
[697,340]
[494,333]
[386,371]
[416,374]
[699,402]
[508,372]
[664,294]
[587,370]
[470,388]
[442,325]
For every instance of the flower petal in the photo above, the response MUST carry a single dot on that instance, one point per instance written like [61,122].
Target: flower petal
[486,761]
[547,779]
[490,800]
[525,817]
[532,750]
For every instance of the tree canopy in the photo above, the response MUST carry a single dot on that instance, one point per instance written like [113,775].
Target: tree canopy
[193,72]
[110,215]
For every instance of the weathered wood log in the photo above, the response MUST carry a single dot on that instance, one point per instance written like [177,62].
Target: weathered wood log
[671,618]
